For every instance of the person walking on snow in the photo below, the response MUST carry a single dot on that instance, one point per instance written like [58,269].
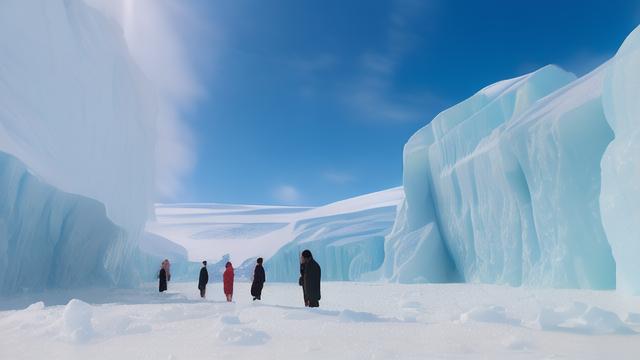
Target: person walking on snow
[311,279]
[203,280]
[227,278]
[164,275]
[258,280]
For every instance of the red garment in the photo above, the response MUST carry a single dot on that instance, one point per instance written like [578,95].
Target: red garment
[228,280]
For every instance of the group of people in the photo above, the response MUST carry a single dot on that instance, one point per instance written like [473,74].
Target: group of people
[310,275]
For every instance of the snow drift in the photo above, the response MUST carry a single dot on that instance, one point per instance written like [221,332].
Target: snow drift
[77,136]
[531,181]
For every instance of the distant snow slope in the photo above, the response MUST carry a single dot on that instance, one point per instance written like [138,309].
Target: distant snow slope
[210,231]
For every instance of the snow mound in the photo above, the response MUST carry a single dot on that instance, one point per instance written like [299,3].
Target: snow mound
[77,321]
[581,318]
[242,336]
[358,316]
[35,306]
[488,314]
[633,318]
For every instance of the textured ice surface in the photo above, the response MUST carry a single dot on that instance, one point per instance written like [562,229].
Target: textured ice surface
[49,238]
[620,197]
[76,112]
[505,187]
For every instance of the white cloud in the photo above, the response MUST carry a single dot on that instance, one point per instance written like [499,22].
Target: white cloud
[287,194]
[339,178]
[155,31]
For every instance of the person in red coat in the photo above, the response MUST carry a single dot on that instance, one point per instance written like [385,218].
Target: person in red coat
[227,278]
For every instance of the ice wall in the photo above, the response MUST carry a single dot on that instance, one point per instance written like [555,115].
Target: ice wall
[346,245]
[620,197]
[346,238]
[77,112]
[504,188]
[49,238]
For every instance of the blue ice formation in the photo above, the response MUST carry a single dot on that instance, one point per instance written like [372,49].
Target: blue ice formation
[77,136]
[346,238]
[531,181]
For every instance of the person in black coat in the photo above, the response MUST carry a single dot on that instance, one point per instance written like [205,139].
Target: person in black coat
[311,279]
[203,280]
[162,280]
[301,281]
[258,280]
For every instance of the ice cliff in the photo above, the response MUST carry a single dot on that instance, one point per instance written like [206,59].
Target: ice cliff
[77,138]
[534,181]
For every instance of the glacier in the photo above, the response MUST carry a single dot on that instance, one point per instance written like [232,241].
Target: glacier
[77,137]
[531,181]
[347,237]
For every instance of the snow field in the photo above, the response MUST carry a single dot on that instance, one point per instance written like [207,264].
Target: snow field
[355,321]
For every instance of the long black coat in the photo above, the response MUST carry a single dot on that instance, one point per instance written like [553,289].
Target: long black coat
[301,281]
[204,278]
[258,281]
[162,280]
[311,280]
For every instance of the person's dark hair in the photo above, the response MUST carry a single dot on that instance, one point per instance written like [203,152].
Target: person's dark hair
[228,264]
[204,263]
[307,254]
[259,261]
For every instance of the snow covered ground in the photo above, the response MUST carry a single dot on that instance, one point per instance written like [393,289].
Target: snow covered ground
[356,321]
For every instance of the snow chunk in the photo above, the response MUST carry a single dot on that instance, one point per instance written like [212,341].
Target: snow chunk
[77,321]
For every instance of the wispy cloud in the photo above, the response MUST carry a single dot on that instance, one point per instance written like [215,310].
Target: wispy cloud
[287,194]
[338,178]
[150,28]
[372,93]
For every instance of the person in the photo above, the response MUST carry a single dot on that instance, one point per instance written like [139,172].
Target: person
[164,275]
[258,280]
[311,279]
[301,281]
[203,280]
[227,278]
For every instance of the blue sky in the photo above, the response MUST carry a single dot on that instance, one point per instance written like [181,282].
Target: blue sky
[309,102]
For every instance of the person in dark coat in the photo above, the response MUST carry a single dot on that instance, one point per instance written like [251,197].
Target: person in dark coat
[258,280]
[203,280]
[311,279]
[301,281]
[164,275]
